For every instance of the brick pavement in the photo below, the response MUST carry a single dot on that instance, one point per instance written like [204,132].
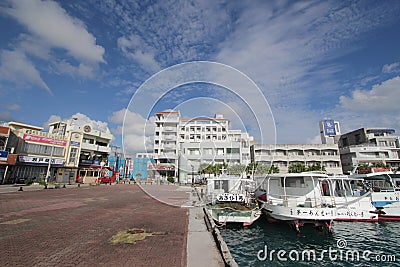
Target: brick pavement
[73,227]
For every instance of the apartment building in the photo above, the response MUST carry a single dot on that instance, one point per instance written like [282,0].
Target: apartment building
[369,145]
[283,155]
[181,144]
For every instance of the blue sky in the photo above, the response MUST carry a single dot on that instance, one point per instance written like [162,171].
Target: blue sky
[310,59]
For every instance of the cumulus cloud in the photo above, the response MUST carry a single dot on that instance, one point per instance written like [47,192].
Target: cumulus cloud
[80,120]
[137,132]
[381,98]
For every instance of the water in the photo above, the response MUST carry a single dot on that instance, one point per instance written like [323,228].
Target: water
[351,244]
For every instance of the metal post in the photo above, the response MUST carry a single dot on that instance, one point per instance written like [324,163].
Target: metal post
[49,165]
[192,175]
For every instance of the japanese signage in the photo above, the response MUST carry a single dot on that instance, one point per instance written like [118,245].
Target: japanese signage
[40,160]
[230,197]
[329,127]
[74,143]
[43,139]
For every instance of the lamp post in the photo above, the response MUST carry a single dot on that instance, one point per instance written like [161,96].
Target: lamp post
[192,175]
[49,164]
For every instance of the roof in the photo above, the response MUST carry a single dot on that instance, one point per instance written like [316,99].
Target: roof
[203,119]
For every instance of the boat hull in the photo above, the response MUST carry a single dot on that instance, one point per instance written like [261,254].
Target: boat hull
[387,205]
[303,214]
[227,214]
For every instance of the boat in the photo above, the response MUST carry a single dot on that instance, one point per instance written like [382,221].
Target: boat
[295,198]
[385,191]
[231,199]
[351,199]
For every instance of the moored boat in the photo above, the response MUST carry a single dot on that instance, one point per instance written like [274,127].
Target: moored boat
[231,200]
[296,198]
[385,192]
[352,200]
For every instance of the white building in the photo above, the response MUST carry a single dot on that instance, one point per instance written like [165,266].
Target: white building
[185,143]
[283,155]
[369,145]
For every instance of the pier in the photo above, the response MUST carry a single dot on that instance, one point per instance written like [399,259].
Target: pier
[75,226]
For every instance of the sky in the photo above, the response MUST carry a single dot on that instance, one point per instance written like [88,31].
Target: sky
[274,68]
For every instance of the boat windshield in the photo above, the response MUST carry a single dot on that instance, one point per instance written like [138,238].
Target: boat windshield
[380,182]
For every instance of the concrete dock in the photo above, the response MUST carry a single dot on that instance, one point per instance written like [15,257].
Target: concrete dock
[74,226]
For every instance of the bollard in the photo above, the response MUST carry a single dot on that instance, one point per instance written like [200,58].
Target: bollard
[64,186]
[79,185]
[20,189]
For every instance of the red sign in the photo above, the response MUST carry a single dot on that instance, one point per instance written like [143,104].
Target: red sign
[43,139]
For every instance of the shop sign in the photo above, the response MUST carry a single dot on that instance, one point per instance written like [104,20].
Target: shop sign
[43,139]
[74,143]
[40,160]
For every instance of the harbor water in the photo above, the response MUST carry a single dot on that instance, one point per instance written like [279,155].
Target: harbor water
[350,244]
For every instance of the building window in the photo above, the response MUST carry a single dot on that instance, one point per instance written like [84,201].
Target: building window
[72,155]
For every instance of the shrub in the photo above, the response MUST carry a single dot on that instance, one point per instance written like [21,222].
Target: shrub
[171,180]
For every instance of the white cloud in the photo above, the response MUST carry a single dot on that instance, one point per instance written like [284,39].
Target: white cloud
[136,49]
[382,98]
[53,34]
[79,119]
[391,68]
[16,67]
[137,131]
[50,22]
[52,118]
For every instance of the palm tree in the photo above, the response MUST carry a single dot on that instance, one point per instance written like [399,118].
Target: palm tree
[297,167]
[236,169]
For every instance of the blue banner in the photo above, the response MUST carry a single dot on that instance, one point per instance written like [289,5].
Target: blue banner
[329,127]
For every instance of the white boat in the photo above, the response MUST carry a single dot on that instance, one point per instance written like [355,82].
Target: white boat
[231,200]
[385,192]
[351,199]
[296,198]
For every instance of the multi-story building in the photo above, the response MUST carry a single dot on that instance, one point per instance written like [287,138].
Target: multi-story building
[186,143]
[57,155]
[283,155]
[369,145]
[40,153]
[88,145]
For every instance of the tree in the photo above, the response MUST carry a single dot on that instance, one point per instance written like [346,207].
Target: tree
[273,169]
[316,167]
[236,169]
[258,168]
[219,167]
[206,168]
[297,167]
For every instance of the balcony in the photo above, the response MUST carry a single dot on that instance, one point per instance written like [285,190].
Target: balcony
[170,137]
[169,129]
[93,147]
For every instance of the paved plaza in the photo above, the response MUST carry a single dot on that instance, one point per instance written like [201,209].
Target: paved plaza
[74,226]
